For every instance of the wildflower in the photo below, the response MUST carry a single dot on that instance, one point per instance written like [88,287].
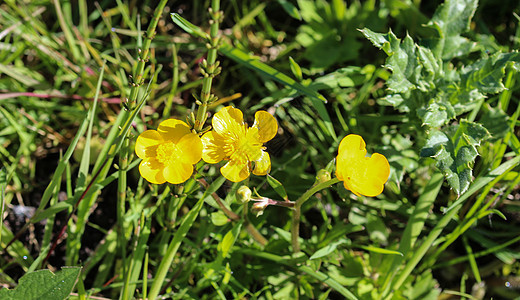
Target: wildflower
[361,174]
[232,140]
[168,153]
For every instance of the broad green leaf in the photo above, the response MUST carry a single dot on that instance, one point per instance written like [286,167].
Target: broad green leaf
[376,228]
[425,288]
[432,65]
[309,11]
[44,284]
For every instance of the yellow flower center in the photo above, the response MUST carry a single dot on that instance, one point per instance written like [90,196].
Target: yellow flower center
[167,152]
[245,147]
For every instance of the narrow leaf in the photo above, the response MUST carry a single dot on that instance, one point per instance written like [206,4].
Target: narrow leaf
[378,250]
[290,9]
[328,249]
[255,64]
[277,187]
[187,26]
[229,240]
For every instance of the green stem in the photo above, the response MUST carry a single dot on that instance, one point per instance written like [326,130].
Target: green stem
[145,51]
[295,226]
[210,66]
[121,201]
[253,232]
[175,83]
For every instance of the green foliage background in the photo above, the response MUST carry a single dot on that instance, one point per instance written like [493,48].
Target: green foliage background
[429,84]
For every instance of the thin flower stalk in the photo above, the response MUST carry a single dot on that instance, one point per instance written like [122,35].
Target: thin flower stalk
[360,174]
[295,226]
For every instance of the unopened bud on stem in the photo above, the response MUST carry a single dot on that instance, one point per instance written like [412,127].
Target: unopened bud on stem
[244,194]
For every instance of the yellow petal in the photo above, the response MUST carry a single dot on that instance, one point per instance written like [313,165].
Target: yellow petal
[178,172]
[191,147]
[352,147]
[362,175]
[379,166]
[152,170]
[263,164]
[370,183]
[146,143]
[213,148]
[252,146]
[266,124]
[229,122]
[235,171]
[173,130]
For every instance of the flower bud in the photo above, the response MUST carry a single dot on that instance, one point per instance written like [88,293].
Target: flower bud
[259,207]
[244,194]
[322,176]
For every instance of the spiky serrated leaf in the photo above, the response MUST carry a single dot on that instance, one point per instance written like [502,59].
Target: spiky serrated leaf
[486,74]
[436,114]
[452,18]
[454,150]
[432,65]
[403,63]
[401,59]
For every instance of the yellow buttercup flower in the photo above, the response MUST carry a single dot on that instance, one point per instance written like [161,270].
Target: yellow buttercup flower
[242,146]
[361,174]
[168,153]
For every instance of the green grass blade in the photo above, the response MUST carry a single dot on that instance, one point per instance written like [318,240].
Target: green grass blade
[256,65]
[173,247]
[472,260]
[436,231]
[323,277]
[3,185]
[415,225]
[137,259]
